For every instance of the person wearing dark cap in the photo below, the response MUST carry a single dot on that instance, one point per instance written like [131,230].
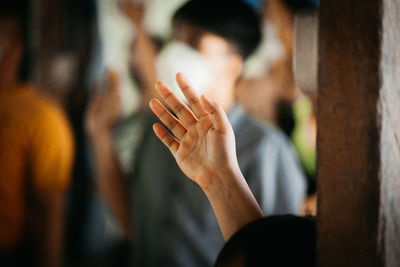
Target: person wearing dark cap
[173,223]
[201,140]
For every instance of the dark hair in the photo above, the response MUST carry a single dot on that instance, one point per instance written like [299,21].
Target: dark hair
[16,11]
[282,240]
[295,5]
[233,20]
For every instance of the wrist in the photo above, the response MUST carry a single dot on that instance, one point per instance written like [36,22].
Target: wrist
[221,180]
[232,201]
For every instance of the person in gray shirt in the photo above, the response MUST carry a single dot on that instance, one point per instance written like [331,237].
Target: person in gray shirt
[174,224]
[171,219]
[202,147]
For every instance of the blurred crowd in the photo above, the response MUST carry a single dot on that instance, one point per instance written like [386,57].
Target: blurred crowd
[83,179]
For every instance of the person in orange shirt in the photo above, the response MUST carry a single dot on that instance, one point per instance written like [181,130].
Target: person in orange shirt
[36,157]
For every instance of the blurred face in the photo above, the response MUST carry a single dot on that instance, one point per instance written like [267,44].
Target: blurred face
[224,64]
[217,52]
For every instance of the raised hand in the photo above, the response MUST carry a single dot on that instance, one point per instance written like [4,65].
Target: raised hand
[133,9]
[203,143]
[104,107]
[102,113]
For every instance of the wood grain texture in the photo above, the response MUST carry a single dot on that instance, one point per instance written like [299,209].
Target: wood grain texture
[348,133]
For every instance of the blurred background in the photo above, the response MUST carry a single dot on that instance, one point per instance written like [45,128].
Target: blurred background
[72,50]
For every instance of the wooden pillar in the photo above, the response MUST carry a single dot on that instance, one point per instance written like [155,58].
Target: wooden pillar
[358,115]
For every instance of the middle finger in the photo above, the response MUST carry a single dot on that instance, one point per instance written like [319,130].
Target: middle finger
[184,114]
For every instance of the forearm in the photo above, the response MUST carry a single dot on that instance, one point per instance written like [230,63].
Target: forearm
[144,50]
[232,201]
[145,56]
[109,178]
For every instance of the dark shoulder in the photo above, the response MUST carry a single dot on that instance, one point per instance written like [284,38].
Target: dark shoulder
[281,240]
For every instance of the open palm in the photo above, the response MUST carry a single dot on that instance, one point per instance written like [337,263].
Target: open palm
[203,143]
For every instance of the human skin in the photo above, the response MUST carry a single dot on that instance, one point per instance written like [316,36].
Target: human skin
[204,148]
[103,111]
[226,66]
[108,171]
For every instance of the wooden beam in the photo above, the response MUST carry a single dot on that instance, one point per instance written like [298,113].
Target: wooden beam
[358,115]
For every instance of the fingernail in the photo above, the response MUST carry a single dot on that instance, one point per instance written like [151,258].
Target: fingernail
[151,103]
[207,98]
